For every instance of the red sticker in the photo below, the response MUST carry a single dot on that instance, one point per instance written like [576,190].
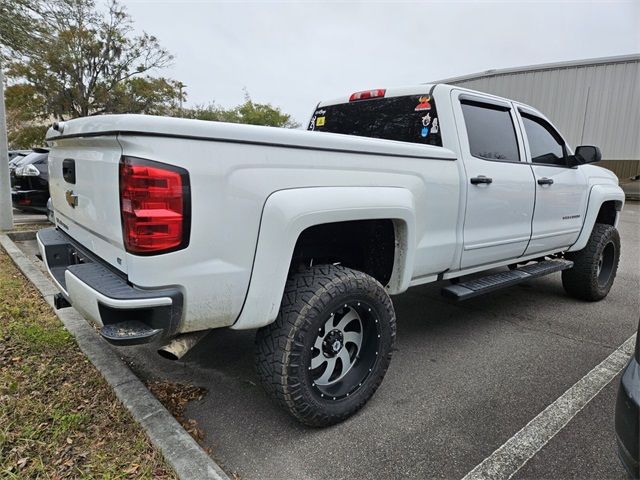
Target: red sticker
[424,104]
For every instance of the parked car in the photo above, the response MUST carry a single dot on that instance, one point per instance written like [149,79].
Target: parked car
[167,228]
[15,156]
[628,414]
[30,182]
[18,153]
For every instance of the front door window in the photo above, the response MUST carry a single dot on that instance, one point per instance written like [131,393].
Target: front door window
[545,144]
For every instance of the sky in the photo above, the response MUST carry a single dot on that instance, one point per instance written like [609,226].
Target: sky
[293,54]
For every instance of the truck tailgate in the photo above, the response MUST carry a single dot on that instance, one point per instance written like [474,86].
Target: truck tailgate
[84,187]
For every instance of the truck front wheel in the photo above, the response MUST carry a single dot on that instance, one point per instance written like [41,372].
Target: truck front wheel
[330,346]
[595,266]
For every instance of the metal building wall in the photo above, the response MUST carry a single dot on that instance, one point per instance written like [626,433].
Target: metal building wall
[595,102]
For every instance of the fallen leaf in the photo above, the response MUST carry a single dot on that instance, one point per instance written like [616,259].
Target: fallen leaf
[132,469]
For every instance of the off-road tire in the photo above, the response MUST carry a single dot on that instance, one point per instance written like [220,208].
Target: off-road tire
[284,349]
[584,281]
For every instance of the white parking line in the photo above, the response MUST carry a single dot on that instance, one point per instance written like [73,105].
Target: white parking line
[519,449]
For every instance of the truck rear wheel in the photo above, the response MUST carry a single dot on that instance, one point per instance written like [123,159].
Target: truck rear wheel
[330,346]
[595,266]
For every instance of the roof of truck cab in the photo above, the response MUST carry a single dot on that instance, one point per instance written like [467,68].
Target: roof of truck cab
[389,92]
[422,89]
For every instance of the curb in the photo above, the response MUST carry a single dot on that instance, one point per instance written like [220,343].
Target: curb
[179,449]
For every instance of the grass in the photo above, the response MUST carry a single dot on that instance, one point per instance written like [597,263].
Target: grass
[58,417]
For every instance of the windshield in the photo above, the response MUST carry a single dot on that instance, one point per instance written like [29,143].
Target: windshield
[410,118]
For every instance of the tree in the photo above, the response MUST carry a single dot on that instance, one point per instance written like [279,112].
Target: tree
[247,112]
[66,59]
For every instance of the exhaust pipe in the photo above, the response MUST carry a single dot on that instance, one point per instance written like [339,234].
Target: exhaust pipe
[180,345]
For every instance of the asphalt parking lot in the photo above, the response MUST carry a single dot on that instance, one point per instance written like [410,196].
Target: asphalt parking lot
[464,379]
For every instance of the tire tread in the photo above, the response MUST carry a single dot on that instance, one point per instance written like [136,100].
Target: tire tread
[278,344]
[581,281]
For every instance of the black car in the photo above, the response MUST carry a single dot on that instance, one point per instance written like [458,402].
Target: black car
[30,182]
[627,408]
[15,155]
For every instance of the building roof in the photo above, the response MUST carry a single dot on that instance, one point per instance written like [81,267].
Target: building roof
[545,66]
[592,102]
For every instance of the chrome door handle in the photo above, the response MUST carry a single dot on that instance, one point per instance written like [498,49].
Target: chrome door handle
[545,181]
[481,179]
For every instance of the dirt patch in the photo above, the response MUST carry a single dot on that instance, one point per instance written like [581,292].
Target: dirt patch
[175,397]
[26,227]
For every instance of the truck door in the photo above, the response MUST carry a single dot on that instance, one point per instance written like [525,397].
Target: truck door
[499,181]
[561,191]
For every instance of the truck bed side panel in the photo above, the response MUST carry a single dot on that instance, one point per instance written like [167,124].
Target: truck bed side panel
[230,183]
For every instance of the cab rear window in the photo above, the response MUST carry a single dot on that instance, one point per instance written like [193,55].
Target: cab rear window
[411,118]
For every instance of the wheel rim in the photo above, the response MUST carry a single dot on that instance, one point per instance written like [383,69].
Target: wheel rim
[605,263]
[345,350]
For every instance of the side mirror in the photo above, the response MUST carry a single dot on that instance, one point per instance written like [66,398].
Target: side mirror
[588,154]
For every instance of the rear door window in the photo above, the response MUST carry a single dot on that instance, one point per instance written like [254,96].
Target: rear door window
[410,118]
[490,131]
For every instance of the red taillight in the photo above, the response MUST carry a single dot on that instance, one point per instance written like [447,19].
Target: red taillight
[367,94]
[155,204]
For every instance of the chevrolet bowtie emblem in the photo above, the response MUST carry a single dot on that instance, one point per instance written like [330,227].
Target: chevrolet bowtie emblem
[72,198]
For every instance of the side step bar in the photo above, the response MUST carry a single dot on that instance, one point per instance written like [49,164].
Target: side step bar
[496,281]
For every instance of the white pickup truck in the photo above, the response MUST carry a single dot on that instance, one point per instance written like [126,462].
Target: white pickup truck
[167,228]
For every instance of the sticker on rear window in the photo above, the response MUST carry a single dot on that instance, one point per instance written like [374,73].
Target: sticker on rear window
[405,118]
[424,104]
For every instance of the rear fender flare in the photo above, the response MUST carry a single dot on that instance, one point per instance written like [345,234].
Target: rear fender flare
[287,213]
